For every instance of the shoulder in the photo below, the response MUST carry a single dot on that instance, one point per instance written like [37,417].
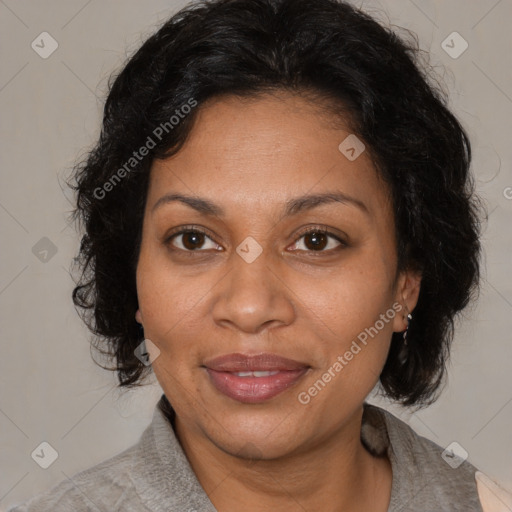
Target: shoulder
[426,471]
[105,486]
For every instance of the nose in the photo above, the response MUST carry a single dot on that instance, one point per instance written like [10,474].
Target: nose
[253,296]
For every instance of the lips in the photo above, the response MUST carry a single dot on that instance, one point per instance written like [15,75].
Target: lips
[254,378]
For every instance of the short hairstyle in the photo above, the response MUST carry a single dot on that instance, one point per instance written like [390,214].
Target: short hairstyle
[330,50]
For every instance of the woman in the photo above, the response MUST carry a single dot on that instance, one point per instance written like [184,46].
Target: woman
[278,215]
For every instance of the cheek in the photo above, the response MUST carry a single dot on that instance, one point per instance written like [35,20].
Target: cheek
[351,336]
[352,341]
[165,299]
[350,298]
[169,305]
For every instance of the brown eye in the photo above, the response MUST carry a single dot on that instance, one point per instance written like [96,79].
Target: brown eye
[191,240]
[318,240]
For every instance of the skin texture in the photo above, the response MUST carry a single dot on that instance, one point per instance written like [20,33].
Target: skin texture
[250,158]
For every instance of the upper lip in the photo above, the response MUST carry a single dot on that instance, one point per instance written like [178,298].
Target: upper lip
[256,362]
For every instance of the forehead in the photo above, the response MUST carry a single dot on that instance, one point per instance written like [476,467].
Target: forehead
[249,151]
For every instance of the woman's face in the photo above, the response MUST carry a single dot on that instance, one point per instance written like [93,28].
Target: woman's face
[256,284]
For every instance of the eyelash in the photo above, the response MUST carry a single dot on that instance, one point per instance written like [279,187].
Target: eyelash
[315,229]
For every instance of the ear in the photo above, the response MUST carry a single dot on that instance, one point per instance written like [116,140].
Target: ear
[407,293]
[138,316]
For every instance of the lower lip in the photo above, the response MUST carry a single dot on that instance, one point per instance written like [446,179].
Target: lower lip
[253,390]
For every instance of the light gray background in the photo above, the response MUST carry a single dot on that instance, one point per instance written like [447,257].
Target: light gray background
[51,110]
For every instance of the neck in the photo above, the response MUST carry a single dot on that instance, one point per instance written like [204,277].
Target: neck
[338,473]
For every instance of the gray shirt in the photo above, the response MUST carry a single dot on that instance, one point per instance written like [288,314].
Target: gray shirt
[155,475]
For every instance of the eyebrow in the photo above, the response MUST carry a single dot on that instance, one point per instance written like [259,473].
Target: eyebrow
[292,206]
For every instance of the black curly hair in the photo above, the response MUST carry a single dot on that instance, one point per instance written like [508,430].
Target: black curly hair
[247,47]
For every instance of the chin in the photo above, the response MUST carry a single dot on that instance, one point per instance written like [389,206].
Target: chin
[264,432]
[253,449]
